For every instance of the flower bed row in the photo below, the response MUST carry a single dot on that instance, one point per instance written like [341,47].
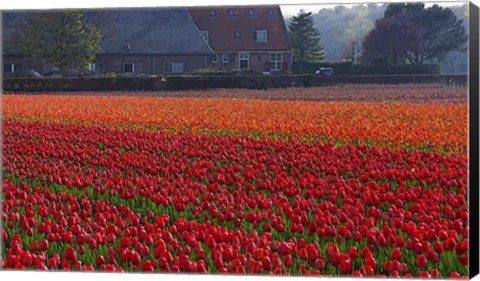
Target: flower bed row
[438,128]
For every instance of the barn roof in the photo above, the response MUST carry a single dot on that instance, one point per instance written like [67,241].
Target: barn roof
[127,31]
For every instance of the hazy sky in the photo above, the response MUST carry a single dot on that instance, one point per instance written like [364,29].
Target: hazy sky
[289,10]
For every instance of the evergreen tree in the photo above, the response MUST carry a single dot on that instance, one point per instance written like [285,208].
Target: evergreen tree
[61,39]
[305,40]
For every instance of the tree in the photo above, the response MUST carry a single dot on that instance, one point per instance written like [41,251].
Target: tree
[389,41]
[414,34]
[61,39]
[351,52]
[347,52]
[340,25]
[305,40]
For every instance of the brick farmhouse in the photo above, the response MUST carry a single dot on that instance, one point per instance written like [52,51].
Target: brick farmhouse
[245,37]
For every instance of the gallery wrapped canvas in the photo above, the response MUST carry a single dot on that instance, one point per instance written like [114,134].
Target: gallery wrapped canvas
[335,140]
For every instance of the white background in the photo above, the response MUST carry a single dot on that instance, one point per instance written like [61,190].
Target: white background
[47,4]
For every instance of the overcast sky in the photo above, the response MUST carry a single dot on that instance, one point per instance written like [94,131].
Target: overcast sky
[287,10]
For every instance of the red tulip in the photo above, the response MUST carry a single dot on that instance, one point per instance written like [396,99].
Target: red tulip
[455,275]
[352,252]
[135,258]
[438,247]
[287,261]
[4,235]
[421,261]
[70,254]
[449,244]
[357,273]
[424,274]
[399,241]
[346,266]
[396,254]
[285,248]
[99,261]
[335,259]
[463,259]
[42,266]
[266,263]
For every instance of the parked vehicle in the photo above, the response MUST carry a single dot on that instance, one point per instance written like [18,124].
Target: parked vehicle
[324,71]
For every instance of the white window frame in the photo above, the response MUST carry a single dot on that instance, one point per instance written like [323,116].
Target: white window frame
[204,35]
[12,67]
[133,67]
[177,67]
[275,61]
[242,56]
[262,31]
[226,58]
[93,67]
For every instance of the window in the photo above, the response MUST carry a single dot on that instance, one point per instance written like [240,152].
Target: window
[270,12]
[205,35]
[276,61]
[8,68]
[237,35]
[243,60]
[214,58]
[139,68]
[97,67]
[168,67]
[231,13]
[213,13]
[262,36]
[129,67]
[226,58]
[251,12]
[172,67]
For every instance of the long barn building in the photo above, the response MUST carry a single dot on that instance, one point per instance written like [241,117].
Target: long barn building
[162,41]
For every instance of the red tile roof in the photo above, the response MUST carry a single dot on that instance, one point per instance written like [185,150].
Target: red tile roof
[223,27]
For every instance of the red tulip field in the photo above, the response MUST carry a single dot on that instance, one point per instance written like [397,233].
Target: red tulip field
[239,186]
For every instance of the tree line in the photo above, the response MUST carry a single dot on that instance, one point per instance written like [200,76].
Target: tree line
[405,34]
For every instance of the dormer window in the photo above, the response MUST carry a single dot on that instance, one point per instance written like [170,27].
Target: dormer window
[213,13]
[262,36]
[237,35]
[231,13]
[270,12]
[251,12]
